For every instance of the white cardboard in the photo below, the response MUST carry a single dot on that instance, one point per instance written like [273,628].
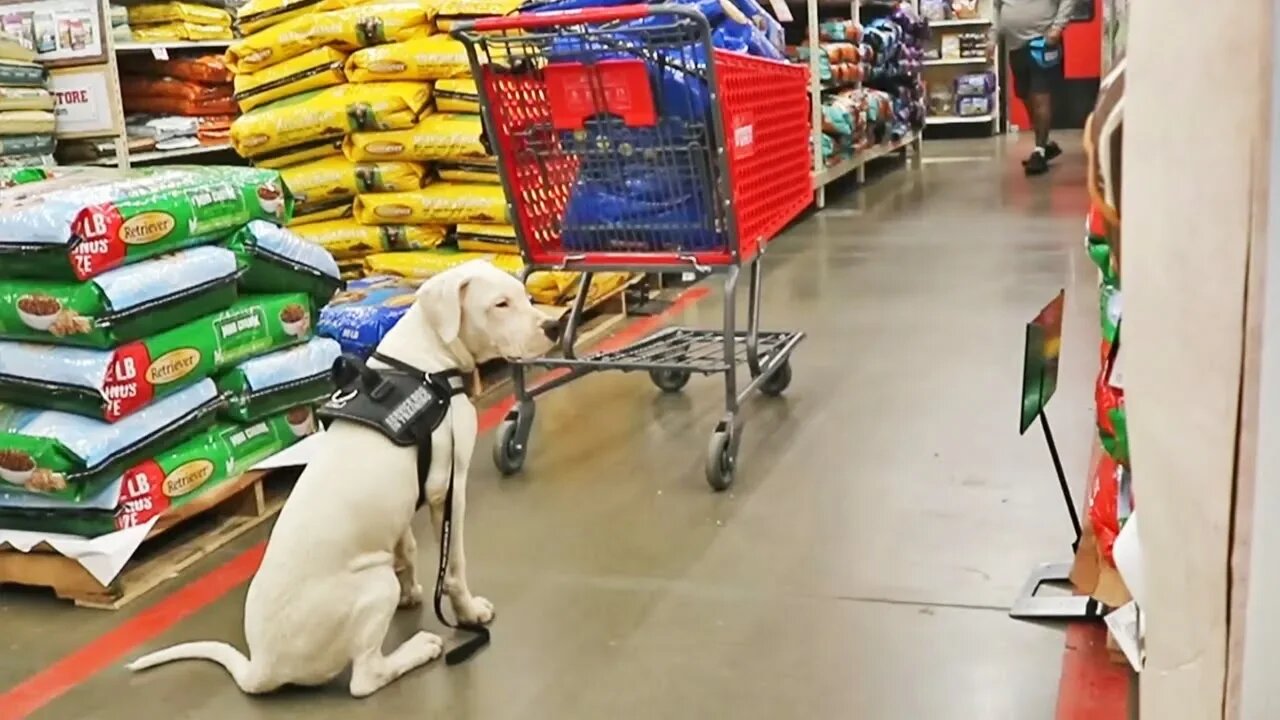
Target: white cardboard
[103,556]
[1127,625]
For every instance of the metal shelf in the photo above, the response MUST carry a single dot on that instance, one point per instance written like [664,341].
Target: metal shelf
[174,45]
[974,22]
[155,155]
[957,119]
[839,170]
[981,60]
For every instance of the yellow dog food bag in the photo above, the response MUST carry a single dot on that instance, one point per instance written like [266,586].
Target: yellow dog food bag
[432,57]
[457,95]
[351,269]
[257,15]
[167,32]
[438,136]
[347,239]
[441,203]
[153,13]
[299,154]
[346,29]
[479,170]
[477,237]
[450,11]
[556,287]
[328,113]
[550,287]
[322,182]
[337,210]
[313,70]
[424,264]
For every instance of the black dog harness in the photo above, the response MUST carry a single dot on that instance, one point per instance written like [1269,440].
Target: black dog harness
[406,405]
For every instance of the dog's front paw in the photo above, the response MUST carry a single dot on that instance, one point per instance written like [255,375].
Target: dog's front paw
[474,611]
[411,595]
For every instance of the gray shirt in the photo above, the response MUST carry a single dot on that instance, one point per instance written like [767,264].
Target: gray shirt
[1021,21]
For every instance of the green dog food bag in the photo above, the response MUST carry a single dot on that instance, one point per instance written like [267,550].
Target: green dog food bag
[277,260]
[164,481]
[113,384]
[81,225]
[11,176]
[283,379]
[121,305]
[72,456]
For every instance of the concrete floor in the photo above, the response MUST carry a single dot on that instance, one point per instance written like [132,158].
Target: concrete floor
[885,515]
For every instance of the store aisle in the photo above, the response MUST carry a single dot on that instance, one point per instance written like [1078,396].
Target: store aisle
[885,515]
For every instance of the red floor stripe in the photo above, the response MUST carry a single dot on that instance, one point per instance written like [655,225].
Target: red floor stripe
[47,685]
[1092,686]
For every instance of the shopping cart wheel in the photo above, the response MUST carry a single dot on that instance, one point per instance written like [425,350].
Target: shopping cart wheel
[722,458]
[778,381]
[508,448]
[670,381]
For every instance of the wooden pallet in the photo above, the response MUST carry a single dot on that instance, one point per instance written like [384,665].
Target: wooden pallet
[177,541]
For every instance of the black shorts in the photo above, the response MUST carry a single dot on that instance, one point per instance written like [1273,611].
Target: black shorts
[1029,77]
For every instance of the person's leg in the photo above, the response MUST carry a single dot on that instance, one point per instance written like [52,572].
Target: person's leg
[1027,84]
[1046,83]
[1041,109]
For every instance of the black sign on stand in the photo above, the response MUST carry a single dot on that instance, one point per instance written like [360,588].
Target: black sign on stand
[1041,351]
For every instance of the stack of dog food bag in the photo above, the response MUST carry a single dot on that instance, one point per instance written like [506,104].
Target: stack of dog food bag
[872,76]
[156,340]
[160,22]
[179,102]
[372,117]
[26,107]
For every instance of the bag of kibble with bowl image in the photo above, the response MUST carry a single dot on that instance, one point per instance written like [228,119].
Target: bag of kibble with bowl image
[274,382]
[81,225]
[276,260]
[72,456]
[164,480]
[120,305]
[116,383]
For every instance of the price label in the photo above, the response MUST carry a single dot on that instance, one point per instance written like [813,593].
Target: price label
[160,53]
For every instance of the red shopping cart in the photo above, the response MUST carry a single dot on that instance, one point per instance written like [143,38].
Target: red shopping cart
[627,142]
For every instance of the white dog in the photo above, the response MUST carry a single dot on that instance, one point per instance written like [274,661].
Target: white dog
[341,556]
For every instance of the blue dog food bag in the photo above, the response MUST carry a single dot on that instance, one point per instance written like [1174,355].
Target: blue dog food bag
[360,316]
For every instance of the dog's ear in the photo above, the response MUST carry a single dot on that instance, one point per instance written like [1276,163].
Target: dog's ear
[441,299]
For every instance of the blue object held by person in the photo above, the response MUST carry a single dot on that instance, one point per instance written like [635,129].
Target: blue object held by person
[1044,54]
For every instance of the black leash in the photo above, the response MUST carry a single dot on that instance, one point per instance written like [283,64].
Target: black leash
[463,652]
[466,650]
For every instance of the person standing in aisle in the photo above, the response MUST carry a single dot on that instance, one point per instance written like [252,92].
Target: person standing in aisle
[1033,31]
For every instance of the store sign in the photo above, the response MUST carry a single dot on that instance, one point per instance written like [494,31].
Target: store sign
[61,32]
[1040,354]
[83,102]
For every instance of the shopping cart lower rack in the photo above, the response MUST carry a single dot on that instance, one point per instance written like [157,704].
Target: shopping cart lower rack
[626,141]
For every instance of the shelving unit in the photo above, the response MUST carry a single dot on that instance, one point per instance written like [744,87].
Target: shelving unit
[958,61]
[164,47]
[822,174]
[160,50]
[944,70]
[959,120]
[155,155]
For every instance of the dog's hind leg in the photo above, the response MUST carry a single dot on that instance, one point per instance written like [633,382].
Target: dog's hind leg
[379,593]
[407,570]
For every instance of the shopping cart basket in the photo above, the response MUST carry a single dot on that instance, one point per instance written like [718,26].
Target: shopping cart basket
[627,142]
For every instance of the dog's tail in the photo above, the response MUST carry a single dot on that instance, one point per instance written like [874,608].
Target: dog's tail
[242,671]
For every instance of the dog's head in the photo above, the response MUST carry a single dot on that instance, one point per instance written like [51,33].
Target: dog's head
[487,312]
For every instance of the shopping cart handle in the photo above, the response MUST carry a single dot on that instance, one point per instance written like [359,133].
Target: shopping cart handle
[558,18]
